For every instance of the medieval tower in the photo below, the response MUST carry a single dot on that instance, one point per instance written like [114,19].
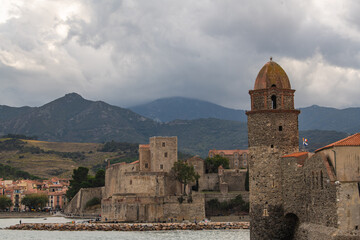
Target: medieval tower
[272,133]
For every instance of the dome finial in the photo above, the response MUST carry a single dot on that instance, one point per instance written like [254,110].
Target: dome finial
[270,59]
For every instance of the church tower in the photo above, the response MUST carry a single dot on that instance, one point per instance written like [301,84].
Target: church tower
[272,133]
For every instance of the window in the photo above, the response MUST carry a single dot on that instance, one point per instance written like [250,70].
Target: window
[265,212]
[273,100]
[130,182]
[272,146]
[146,165]
[280,128]
[166,154]
[161,166]
[163,144]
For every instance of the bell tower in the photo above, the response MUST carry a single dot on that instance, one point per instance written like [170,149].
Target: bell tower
[272,133]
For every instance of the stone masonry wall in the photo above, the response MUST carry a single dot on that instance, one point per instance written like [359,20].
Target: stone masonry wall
[163,153]
[77,205]
[308,192]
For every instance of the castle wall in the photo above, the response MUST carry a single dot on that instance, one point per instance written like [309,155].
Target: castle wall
[308,191]
[209,181]
[132,208]
[77,204]
[227,197]
[235,179]
[115,178]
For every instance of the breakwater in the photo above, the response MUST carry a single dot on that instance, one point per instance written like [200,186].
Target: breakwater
[129,226]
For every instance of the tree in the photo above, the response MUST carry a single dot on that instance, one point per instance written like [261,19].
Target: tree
[81,179]
[5,202]
[212,164]
[35,201]
[184,173]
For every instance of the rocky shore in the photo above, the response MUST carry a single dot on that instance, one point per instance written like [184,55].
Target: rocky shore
[129,226]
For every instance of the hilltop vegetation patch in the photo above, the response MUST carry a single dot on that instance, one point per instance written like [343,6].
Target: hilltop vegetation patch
[8,172]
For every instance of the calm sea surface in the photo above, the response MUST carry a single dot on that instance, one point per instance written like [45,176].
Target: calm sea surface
[80,235]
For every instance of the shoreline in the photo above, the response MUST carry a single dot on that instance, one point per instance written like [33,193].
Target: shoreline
[129,226]
[4,215]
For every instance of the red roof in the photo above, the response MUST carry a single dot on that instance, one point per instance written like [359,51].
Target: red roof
[296,154]
[353,140]
[228,152]
[144,146]
[137,161]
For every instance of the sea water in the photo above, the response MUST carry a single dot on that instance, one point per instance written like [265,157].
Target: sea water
[240,234]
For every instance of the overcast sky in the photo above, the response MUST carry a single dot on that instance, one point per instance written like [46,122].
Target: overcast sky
[129,52]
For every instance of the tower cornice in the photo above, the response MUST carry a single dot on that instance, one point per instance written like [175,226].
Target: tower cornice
[273,111]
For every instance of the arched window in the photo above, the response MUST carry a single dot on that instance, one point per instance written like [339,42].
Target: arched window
[273,100]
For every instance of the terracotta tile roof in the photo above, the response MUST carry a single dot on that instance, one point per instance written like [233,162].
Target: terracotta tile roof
[135,162]
[296,154]
[144,146]
[228,152]
[353,140]
[195,158]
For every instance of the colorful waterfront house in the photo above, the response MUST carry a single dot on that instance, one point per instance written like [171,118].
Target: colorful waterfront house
[237,158]
[57,200]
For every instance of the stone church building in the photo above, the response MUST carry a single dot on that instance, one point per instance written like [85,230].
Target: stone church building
[297,195]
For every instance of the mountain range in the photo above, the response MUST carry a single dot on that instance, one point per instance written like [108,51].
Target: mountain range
[313,117]
[199,125]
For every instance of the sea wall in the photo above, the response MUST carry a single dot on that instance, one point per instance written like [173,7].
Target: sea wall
[129,226]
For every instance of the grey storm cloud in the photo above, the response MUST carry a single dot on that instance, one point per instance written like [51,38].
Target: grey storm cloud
[129,52]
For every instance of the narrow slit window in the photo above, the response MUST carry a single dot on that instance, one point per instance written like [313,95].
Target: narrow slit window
[280,128]
[273,100]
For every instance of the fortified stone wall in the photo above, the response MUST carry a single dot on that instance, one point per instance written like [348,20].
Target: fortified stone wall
[308,191]
[209,181]
[235,179]
[77,205]
[153,209]
[114,178]
[227,197]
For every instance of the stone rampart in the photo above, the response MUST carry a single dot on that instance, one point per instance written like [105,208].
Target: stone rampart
[77,205]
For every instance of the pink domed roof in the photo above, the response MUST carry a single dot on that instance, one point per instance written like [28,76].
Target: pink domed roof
[272,75]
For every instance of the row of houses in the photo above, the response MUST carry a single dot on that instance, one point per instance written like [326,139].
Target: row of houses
[55,188]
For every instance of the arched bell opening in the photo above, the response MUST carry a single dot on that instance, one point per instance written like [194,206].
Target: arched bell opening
[273,102]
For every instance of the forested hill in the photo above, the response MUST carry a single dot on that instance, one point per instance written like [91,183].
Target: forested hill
[74,119]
